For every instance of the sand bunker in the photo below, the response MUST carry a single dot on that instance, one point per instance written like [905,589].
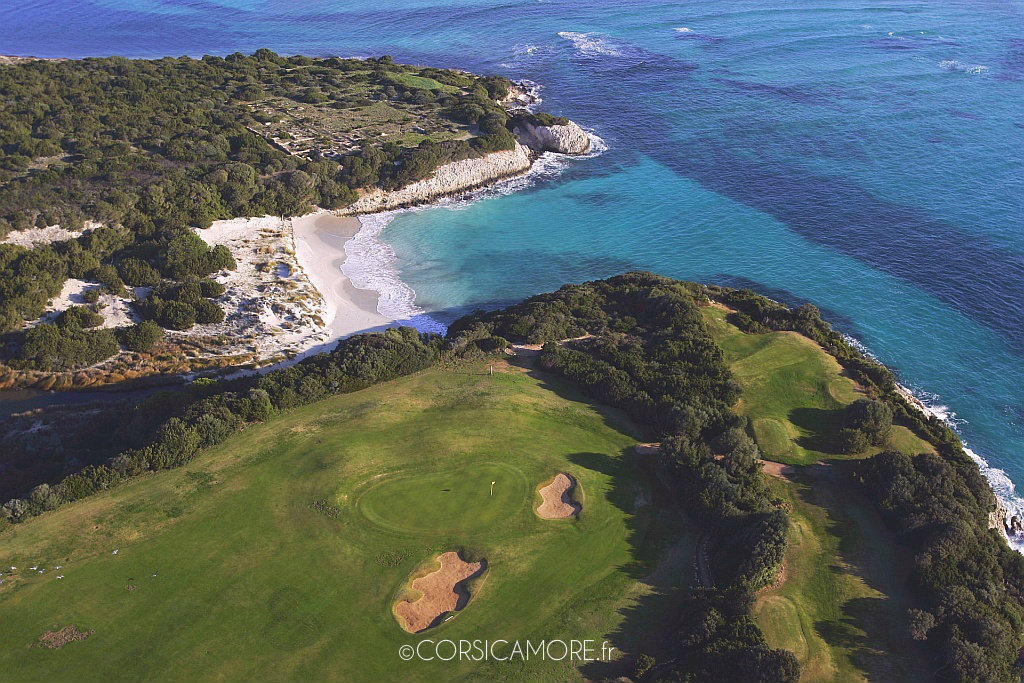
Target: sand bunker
[441,593]
[558,503]
[58,639]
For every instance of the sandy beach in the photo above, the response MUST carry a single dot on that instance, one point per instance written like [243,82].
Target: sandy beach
[319,248]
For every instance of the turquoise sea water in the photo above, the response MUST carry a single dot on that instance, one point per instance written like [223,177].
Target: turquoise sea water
[867,156]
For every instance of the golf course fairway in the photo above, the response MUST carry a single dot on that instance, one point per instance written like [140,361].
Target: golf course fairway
[280,554]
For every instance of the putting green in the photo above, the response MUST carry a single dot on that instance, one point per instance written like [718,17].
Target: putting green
[447,502]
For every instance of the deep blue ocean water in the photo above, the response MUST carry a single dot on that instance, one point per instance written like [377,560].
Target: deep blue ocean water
[867,156]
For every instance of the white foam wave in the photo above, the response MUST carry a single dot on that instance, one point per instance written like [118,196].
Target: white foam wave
[370,263]
[1000,482]
[525,54]
[954,65]
[684,29]
[591,44]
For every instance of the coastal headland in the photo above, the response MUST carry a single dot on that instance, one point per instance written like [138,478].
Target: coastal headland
[274,291]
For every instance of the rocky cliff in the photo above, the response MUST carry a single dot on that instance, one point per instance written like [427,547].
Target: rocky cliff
[448,179]
[1007,524]
[565,139]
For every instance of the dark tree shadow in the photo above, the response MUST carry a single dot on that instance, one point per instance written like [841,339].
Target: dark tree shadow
[822,424]
[662,542]
[871,629]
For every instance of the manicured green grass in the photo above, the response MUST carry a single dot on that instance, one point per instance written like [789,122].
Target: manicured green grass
[840,607]
[226,571]
[793,393]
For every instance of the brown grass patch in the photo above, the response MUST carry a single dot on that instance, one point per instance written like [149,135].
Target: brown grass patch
[58,639]
[558,503]
[440,593]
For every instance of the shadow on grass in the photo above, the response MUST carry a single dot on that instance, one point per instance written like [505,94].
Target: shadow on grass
[821,423]
[870,629]
[662,543]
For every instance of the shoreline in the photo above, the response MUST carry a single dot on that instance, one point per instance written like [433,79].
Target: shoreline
[320,240]
[1009,505]
[1009,513]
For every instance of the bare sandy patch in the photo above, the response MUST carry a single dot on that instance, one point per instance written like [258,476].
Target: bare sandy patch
[439,593]
[34,237]
[58,639]
[652,448]
[777,469]
[116,311]
[558,503]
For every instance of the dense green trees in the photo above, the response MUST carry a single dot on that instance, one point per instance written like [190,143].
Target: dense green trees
[973,584]
[720,643]
[865,423]
[140,337]
[64,346]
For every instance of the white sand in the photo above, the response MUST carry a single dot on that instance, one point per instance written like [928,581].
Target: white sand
[288,298]
[319,247]
[116,312]
[34,237]
[271,307]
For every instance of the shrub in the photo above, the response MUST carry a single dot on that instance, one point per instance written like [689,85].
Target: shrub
[140,337]
[78,317]
[208,312]
[176,315]
[138,273]
[106,274]
[211,288]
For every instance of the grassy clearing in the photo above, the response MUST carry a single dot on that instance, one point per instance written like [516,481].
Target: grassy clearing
[279,554]
[793,393]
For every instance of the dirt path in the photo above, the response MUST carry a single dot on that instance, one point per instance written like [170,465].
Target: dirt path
[527,350]
[558,504]
[703,561]
[439,591]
